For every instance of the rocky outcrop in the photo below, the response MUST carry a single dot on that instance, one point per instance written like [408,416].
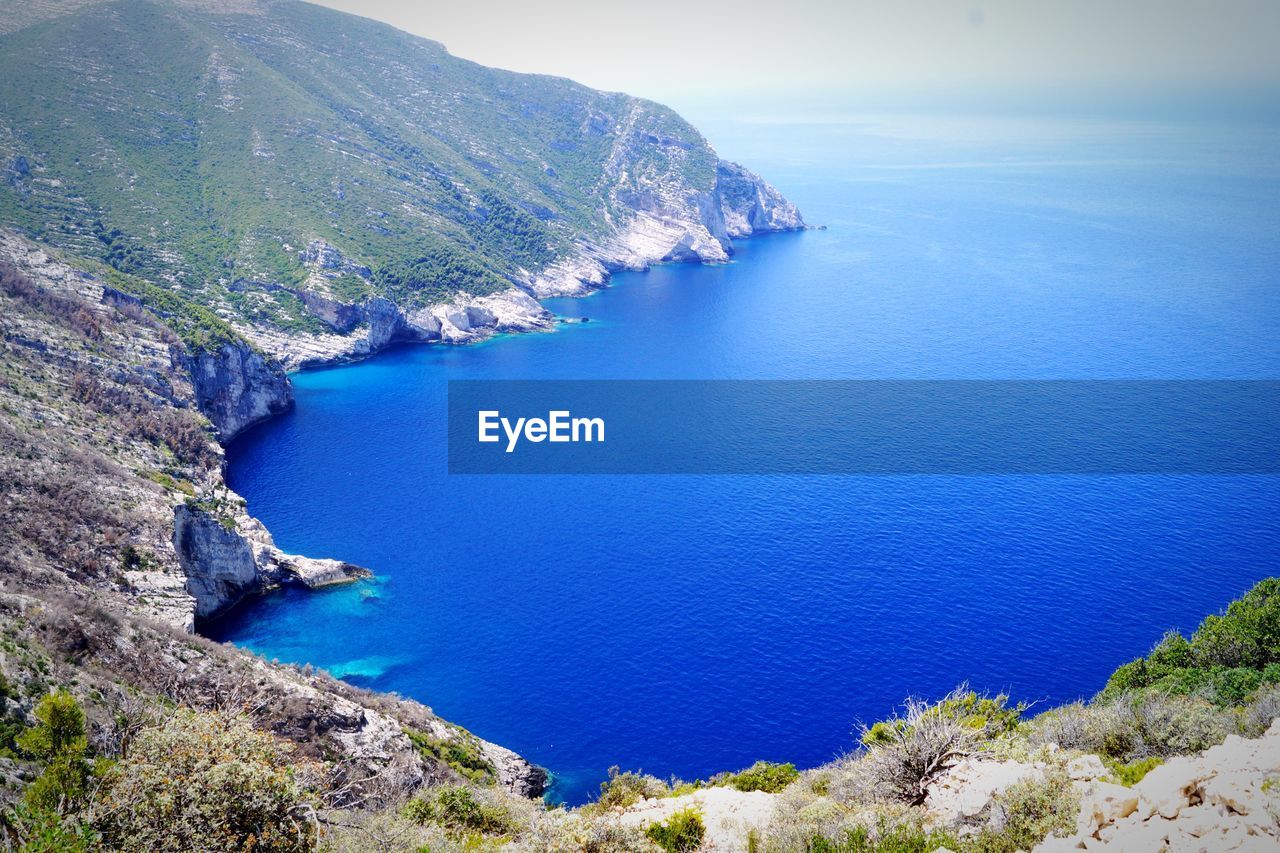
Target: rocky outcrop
[379,323]
[1226,798]
[750,205]
[237,387]
[669,221]
[227,557]
[339,316]
[217,560]
[513,772]
[326,261]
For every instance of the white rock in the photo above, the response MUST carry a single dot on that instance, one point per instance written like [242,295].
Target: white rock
[968,789]
[1086,767]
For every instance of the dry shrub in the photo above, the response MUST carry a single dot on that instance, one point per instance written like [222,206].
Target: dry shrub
[1259,714]
[585,833]
[1135,726]
[72,311]
[906,753]
[205,781]
[625,788]
[145,418]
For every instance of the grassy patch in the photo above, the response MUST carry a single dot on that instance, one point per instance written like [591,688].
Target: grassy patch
[458,811]
[1132,773]
[461,754]
[764,776]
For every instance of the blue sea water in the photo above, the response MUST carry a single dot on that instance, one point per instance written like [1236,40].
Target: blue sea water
[690,624]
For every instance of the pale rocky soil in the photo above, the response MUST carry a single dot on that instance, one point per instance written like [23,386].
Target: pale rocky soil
[728,814]
[1226,798]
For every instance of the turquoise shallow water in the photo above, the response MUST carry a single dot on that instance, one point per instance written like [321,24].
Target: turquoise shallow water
[691,624]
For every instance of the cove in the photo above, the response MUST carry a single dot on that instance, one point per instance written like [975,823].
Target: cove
[687,624]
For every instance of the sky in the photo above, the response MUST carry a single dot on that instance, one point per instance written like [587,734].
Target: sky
[686,50]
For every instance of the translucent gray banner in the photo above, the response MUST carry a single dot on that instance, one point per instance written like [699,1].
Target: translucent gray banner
[864,427]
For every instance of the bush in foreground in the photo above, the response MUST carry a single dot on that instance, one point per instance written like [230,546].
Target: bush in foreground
[765,776]
[457,810]
[58,742]
[906,753]
[1026,814]
[623,789]
[681,833]
[205,781]
[1228,658]
[885,838]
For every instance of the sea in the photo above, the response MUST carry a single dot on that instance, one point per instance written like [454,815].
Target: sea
[685,624]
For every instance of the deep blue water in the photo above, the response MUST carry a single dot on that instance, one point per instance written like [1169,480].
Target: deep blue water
[686,625]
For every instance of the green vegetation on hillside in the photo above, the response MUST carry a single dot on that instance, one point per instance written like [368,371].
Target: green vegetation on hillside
[207,147]
[461,753]
[198,327]
[1225,661]
[680,833]
[193,781]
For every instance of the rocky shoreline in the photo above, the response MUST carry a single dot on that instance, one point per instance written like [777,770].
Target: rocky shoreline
[664,227]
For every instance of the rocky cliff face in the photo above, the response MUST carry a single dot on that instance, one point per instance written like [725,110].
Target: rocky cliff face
[217,560]
[658,215]
[228,557]
[117,531]
[383,152]
[750,205]
[237,387]
[358,330]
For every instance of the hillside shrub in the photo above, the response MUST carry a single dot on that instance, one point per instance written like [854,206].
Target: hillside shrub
[987,716]
[682,832]
[1261,712]
[457,809]
[44,831]
[1136,726]
[765,776]
[582,833]
[623,789]
[1164,726]
[58,742]
[1026,814]
[886,837]
[905,753]
[1132,773]
[45,819]
[205,781]
[1226,660]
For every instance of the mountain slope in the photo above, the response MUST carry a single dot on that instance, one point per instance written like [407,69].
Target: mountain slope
[285,164]
[117,531]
